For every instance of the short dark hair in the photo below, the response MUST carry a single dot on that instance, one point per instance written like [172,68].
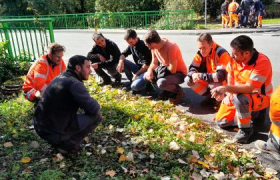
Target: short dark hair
[242,43]
[152,37]
[76,60]
[96,36]
[55,47]
[130,33]
[205,37]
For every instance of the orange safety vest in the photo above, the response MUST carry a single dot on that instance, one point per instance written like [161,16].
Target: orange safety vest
[218,59]
[258,72]
[41,73]
[233,7]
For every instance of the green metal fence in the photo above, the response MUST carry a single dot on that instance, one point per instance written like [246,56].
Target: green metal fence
[141,19]
[27,38]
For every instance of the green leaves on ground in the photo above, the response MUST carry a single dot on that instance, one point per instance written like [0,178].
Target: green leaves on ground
[139,138]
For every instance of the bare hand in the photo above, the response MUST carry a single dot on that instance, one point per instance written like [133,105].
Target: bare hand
[149,76]
[218,91]
[120,66]
[195,77]
[102,59]
[228,100]
[94,65]
[134,77]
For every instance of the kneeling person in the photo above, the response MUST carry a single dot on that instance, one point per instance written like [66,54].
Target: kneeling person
[105,55]
[208,69]
[167,68]
[55,117]
[249,87]
[142,57]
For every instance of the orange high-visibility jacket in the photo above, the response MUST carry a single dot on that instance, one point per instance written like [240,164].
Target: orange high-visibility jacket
[41,73]
[212,66]
[258,73]
[233,7]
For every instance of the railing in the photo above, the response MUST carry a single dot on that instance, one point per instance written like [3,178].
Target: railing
[142,19]
[27,38]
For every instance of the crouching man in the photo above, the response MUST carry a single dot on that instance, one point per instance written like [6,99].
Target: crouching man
[55,117]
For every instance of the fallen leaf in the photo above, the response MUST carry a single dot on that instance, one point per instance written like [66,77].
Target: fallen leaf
[86,139]
[8,144]
[196,176]
[111,173]
[219,176]
[175,177]
[133,130]
[124,169]
[62,165]
[120,150]
[195,153]
[136,116]
[26,160]
[256,174]
[120,129]
[236,172]
[173,146]
[88,153]
[34,144]
[208,158]
[193,159]
[203,164]
[129,156]
[122,158]
[165,178]
[192,138]
[146,170]
[204,173]
[182,161]
[152,156]
[59,157]
[271,171]
[103,151]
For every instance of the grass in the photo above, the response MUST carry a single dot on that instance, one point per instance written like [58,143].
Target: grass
[138,139]
[271,21]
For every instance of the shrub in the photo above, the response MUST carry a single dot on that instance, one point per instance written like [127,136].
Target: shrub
[10,68]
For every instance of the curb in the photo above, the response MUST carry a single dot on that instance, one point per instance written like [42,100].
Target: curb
[173,32]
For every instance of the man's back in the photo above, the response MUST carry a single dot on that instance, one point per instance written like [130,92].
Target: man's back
[58,107]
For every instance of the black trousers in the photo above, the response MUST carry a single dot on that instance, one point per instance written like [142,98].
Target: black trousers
[70,141]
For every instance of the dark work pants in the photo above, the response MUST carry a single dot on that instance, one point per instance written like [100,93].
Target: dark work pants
[111,69]
[70,141]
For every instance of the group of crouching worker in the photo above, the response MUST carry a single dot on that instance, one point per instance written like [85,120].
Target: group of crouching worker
[237,86]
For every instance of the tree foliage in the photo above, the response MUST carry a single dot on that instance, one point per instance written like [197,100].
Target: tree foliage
[127,5]
[34,7]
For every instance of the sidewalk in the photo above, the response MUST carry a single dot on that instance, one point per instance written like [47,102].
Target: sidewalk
[265,28]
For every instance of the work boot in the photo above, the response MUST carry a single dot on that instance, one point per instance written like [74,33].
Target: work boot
[265,147]
[208,101]
[118,78]
[179,96]
[243,135]
[164,95]
[105,81]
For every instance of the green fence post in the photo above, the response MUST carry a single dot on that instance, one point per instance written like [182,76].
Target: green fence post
[5,28]
[51,31]
[84,24]
[146,20]
[167,25]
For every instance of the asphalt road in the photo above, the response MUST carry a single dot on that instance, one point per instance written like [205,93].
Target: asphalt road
[80,42]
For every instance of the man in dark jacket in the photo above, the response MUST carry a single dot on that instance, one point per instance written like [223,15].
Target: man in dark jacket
[105,54]
[245,11]
[55,117]
[142,57]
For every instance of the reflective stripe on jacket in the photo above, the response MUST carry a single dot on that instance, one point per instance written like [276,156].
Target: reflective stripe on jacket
[258,73]
[213,67]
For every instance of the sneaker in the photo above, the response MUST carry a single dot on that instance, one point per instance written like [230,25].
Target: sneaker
[264,147]
[243,135]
